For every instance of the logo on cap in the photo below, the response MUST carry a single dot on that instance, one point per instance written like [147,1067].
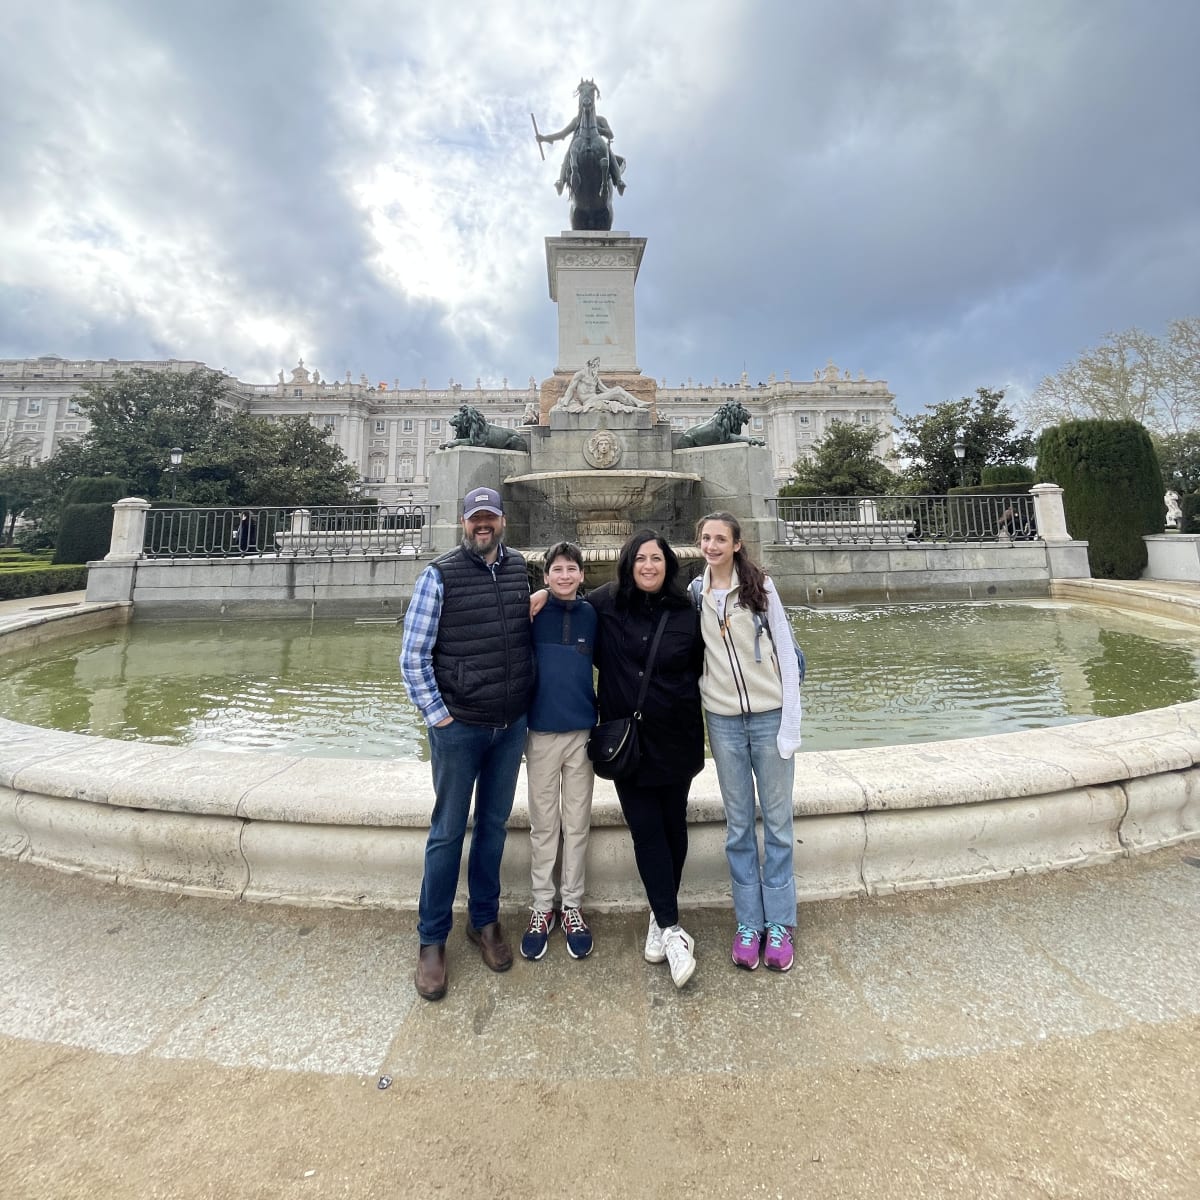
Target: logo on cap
[482,500]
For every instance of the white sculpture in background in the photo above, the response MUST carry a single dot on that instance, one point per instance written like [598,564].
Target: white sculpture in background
[587,392]
[1174,512]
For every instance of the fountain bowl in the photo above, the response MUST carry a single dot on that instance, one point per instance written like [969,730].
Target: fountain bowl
[601,503]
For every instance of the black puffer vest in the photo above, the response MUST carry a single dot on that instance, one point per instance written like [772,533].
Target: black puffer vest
[483,656]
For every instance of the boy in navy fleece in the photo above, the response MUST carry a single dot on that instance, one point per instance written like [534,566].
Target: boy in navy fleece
[556,762]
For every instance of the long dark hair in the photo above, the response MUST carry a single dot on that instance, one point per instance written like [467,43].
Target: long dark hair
[752,578]
[627,590]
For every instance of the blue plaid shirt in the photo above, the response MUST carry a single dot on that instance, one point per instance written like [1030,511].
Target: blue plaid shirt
[420,633]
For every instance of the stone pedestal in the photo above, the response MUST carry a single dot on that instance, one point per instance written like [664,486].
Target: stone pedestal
[591,278]
[455,472]
[736,478]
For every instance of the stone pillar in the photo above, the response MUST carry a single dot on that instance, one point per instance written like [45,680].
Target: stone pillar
[112,577]
[1065,557]
[301,521]
[129,529]
[1048,512]
[592,274]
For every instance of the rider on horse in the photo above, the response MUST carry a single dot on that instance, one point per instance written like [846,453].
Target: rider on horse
[616,164]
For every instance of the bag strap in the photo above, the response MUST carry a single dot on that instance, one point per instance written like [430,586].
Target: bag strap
[662,624]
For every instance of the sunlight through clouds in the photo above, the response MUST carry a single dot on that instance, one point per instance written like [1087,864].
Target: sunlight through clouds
[942,196]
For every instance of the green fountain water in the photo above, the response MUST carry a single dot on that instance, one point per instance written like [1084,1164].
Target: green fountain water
[877,676]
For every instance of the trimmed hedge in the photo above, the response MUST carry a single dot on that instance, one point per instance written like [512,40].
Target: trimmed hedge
[17,583]
[95,489]
[994,489]
[1112,490]
[1007,473]
[84,532]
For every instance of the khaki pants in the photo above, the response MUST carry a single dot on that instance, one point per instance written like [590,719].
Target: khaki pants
[560,804]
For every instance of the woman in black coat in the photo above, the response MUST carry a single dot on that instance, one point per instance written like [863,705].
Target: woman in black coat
[671,731]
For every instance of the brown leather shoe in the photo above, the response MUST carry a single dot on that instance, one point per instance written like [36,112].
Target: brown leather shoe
[492,946]
[431,972]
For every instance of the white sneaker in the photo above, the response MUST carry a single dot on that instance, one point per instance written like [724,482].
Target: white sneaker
[654,952]
[678,946]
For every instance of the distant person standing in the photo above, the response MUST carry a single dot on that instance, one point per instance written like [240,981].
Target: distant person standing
[467,661]
[556,761]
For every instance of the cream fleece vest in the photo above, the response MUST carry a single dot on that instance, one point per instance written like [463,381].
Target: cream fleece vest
[733,683]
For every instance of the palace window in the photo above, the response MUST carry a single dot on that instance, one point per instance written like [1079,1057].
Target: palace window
[802,419]
[864,418]
[435,426]
[33,408]
[408,425]
[380,426]
[756,423]
[297,392]
[330,422]
[404,470]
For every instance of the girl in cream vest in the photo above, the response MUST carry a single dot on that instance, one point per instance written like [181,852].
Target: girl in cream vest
[751,698]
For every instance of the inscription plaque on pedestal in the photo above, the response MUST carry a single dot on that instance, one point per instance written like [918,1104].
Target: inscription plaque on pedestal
[592,275]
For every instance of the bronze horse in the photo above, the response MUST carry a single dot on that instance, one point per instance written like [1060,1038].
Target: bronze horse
[590,181]
[590,169]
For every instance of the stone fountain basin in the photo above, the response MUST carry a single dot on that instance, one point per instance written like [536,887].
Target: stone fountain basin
[615,491]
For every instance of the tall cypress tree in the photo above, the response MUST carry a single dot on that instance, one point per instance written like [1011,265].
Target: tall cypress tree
[1112,490]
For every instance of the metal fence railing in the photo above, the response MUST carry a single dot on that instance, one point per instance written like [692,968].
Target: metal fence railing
[902,520]
[286,532]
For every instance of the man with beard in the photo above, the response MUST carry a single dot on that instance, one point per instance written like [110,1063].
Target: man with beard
[467,662]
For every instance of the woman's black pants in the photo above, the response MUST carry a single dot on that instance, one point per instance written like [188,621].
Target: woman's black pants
[657,820]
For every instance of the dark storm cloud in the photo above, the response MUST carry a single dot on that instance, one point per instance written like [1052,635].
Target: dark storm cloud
[942,194]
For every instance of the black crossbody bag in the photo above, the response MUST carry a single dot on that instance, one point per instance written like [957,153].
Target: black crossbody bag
[613,746]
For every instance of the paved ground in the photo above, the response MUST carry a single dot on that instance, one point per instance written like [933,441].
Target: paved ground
[1029,1039]
[1033,1038]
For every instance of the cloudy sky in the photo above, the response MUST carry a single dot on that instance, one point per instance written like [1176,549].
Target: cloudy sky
[939,193]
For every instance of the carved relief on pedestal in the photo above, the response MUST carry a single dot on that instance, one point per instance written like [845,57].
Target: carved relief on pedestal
[602,450]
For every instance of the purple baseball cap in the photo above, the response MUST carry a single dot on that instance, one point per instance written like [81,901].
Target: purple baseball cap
[482,500]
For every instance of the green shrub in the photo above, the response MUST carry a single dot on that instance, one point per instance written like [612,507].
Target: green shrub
[1189,506]
[95,489]
[1006,473]
[1112,490]
[33,539]
[41,581]
[994,489]
[84,533]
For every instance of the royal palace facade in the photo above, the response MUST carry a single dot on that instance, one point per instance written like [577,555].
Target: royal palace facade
[390,432]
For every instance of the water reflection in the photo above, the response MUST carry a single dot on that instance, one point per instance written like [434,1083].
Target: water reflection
[876,676]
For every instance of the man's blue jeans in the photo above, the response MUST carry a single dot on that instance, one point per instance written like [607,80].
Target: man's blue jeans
[467,758]
[744,751]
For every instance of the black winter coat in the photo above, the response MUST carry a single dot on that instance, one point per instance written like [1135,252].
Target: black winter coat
[672,728]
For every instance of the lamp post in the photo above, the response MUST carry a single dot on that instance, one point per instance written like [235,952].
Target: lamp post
[176,459]
[960,453]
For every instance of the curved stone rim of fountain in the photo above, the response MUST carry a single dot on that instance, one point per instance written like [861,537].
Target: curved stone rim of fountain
[868,822]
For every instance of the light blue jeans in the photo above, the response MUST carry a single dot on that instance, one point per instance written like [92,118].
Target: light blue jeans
[744,751]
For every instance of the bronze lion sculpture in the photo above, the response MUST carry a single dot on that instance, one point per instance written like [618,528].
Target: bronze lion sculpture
[722,427]
[473,429]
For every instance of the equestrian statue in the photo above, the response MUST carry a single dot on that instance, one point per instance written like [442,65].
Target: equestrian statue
[590,169]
